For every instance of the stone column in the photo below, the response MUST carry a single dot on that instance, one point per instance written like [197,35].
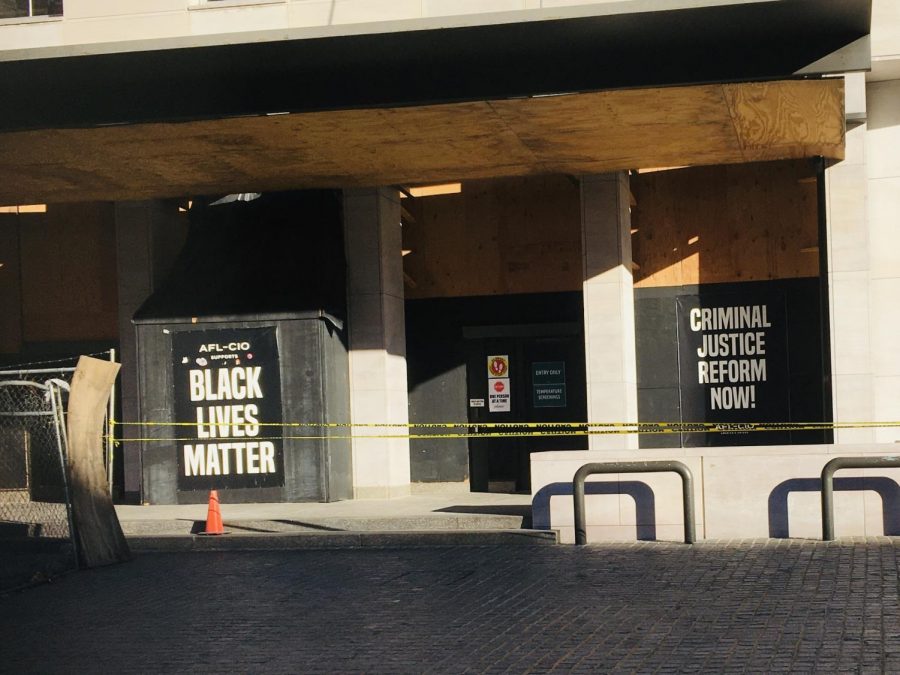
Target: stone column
[149,235]
[846,188]
[863,195]
[378,386]
[883,163]
[608,306]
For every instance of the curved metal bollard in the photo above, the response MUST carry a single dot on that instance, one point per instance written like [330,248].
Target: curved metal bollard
[687,489]
[883,461]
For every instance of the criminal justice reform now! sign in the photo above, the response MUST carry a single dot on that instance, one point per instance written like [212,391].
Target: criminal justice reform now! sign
[733,360]
[228,405]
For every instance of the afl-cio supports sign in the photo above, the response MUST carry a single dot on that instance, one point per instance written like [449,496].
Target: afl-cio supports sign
[227,399]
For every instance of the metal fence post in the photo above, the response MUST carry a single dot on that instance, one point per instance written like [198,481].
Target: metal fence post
[59,415]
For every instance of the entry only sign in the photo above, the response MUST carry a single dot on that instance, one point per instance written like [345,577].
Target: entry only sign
[227,394]
[548,382]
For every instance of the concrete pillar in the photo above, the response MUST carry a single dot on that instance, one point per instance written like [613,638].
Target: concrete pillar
[846,188]
[883,173]
[863,195]
[149,235]
[378,386]
[608,306]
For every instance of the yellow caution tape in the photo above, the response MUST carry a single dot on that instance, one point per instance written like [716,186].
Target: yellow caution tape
[554,429]
[675,427]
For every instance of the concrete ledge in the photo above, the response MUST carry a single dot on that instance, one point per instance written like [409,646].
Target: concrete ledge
[441,522]
[339,540]
[741,492]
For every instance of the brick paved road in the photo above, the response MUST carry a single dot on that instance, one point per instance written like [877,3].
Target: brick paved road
[776,606]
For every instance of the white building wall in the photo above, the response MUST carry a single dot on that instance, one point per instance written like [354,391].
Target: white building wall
[848,282]
[92,22]
[863,212]
[883,176]
[885,34]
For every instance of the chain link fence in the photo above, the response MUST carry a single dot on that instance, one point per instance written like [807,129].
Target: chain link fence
[35,518]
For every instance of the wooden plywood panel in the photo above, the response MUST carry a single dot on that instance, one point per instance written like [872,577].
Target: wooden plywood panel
[623,129]
[438,236]
[96,526]
[660,234]
[514,235]
[723,224]
[777,122]
[540,234]
[572,134]
[69,273]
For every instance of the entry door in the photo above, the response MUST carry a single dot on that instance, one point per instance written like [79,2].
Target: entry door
[543,382]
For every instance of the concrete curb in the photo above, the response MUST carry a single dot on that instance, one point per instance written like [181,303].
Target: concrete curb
[339,540]
[438,523]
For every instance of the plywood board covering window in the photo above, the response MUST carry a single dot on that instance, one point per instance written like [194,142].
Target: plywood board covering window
[513,235]
[742,222]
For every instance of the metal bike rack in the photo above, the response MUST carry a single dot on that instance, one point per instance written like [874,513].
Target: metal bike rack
[884,461]
[687,488]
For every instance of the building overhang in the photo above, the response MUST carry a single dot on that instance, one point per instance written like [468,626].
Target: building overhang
[604,87]
[572,134]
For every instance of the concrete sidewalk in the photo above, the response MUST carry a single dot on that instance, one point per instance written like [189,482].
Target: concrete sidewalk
[451,518]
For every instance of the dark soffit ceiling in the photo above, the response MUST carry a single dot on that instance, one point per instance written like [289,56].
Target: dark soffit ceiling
[744,41]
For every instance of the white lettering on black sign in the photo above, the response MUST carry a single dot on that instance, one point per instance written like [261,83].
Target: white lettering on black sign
[733,367]
[732,353]
[226,405]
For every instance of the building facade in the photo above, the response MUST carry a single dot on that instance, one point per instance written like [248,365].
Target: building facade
[471,214]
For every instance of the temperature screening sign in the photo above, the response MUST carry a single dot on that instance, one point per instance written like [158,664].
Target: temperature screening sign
[227,382]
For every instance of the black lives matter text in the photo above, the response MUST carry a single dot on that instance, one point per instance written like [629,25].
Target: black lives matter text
[231,421]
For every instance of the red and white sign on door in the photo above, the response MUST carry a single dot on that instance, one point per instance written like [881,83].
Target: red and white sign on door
[498,395]
[498,365]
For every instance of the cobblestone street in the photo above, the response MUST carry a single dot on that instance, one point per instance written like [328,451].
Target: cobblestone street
[764,606]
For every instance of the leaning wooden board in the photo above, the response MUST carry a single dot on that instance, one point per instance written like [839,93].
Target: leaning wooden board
[98,533]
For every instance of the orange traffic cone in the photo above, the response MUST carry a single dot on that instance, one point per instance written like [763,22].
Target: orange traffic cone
[214,516]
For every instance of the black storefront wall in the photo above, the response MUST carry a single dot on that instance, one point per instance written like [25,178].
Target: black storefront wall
[438,352]
[732,354]
[243,339]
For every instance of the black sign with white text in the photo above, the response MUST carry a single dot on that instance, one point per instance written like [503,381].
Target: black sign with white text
[733,363]
[227,394]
